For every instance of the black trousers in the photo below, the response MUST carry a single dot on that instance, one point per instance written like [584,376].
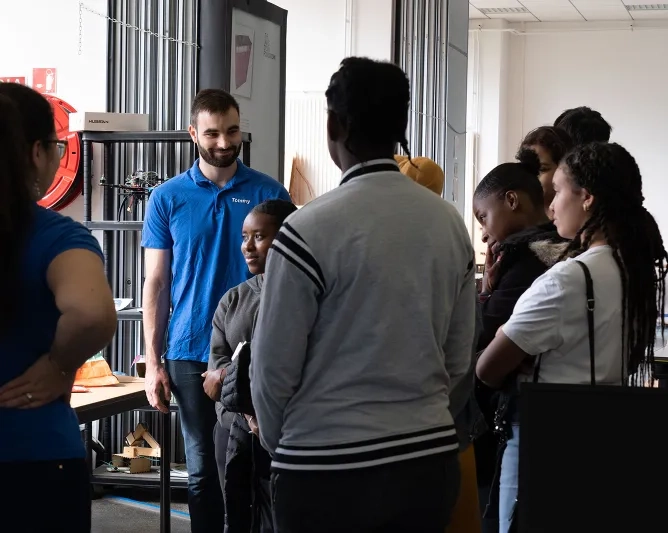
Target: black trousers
[221,436]
[46,496]
[415,496]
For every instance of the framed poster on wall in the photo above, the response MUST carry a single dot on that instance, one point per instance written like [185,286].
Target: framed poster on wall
[242,60]
[243,51]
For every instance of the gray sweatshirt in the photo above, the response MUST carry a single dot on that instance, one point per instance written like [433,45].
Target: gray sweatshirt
[366,322]
[233,323]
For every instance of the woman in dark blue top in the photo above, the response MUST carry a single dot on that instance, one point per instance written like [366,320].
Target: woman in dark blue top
[57,310]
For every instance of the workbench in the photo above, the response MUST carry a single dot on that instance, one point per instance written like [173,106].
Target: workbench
[128,395]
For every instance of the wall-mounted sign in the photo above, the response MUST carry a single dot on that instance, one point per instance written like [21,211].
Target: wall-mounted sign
[44,80]
[242,60]
[13,79]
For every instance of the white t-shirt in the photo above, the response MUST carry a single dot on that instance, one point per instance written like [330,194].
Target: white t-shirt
[551,318]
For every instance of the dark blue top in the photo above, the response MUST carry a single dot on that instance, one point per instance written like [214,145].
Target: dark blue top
[50,432]
[201,223]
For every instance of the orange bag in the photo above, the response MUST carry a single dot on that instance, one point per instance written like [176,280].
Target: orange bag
[95,373]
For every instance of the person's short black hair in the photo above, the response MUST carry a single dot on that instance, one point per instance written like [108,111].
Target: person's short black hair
[584,125]
[556,141]
[278,209]
[214,101]
[34,110]
[518,177]
[371,100]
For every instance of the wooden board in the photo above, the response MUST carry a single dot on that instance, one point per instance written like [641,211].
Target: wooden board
[101,402]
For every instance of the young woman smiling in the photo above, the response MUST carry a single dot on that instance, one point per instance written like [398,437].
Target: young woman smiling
[244,468]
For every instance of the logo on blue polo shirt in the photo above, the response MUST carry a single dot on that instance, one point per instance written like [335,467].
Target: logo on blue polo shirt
[240,201]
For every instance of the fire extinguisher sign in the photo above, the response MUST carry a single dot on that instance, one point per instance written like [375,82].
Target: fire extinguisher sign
[44,80]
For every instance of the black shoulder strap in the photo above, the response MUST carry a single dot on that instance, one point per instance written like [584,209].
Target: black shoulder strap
[589,287]
[536,367]
[589,284]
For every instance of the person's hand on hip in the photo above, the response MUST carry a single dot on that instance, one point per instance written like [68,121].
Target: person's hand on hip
[42,383]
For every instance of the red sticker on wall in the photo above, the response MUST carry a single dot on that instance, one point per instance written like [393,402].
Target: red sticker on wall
[13,79]
[44,80]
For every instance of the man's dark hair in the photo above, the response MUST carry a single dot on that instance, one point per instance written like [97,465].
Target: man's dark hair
[584,125]
[278,209]
[371,100]
[35,112]
[611,175]
[555,141]
[214,101]
[522,176]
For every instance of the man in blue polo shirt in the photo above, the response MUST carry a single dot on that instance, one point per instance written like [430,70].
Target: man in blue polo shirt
[192,240]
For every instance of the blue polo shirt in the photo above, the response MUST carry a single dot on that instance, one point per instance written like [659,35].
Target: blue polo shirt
[201,223]
[50,432]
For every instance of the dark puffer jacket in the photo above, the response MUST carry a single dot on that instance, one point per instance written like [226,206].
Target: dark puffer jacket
[247,467]
[524,257]
[235,395]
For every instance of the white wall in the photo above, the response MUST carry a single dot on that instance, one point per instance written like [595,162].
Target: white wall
[315,42]
[552,67]
[372,28]
[618,74]
[320,34]
[34,35]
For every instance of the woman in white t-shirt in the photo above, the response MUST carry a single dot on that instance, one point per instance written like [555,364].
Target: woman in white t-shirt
[598,204]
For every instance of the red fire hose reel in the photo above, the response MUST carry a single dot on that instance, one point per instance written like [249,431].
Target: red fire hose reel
[68,183]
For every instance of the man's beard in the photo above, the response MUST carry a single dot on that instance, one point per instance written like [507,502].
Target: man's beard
[220,158]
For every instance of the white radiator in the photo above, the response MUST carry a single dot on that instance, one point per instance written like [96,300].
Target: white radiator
[306,139]
[472,180]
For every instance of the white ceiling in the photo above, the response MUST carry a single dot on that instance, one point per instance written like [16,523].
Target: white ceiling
[568,10]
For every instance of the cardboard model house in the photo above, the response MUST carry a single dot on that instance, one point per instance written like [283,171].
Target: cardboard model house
[136,455]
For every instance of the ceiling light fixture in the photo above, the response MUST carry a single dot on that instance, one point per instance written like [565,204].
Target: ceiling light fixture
[502,10]
[647,7]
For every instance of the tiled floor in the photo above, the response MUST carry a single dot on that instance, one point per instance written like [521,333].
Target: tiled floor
[121,511]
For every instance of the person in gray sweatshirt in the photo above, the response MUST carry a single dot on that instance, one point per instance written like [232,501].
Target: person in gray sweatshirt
[366,323]
[233,323]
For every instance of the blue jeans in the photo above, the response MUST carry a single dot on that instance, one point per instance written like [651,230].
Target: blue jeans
[508,480]
[198,419]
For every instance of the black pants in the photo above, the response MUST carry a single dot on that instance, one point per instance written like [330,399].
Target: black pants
[415,496]
[486,457]
[221,436]
[41,496]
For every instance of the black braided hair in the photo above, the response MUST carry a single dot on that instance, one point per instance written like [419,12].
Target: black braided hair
[556,141]
[584,125]
[371,100]
[612,177]
[278,209]
[522,176]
